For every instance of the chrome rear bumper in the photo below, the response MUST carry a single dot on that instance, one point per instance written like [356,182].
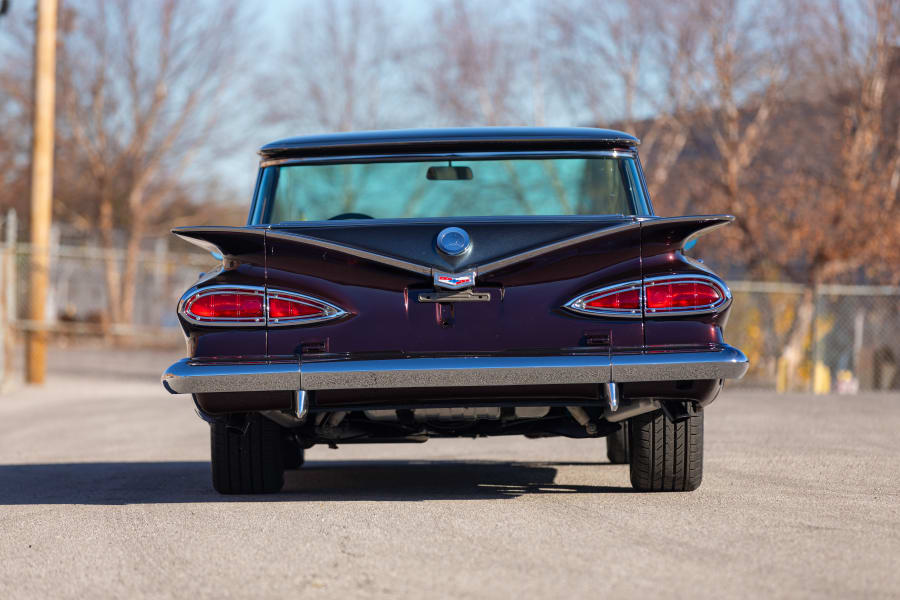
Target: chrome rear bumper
[190,377]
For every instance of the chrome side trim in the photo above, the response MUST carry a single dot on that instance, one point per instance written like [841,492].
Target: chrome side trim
[565,243]
[462,371]
[725,219]
[429,271]
[186,377]
[352,251]
[717,306]
[189,377]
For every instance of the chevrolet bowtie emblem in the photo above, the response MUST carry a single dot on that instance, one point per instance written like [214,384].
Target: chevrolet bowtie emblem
[454,281]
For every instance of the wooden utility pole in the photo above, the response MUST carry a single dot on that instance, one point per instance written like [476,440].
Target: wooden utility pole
[41,188]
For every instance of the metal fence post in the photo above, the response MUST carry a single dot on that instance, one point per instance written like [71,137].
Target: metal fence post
[814,342]
[4,324]
[10,290]
[160,249]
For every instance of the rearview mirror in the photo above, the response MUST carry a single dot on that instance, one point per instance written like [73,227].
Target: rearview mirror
[449,173]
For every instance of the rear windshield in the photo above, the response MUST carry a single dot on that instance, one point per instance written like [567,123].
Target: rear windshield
[608,185]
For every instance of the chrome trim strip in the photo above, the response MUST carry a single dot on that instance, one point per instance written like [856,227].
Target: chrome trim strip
[189,377]
[482,270]
[462,371]
[359,252]
[186,377]
[725,219]
[577,303]
[717,306]
[444,156]
[565,243]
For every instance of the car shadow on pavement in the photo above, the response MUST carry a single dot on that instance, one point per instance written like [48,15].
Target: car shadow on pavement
[114,483]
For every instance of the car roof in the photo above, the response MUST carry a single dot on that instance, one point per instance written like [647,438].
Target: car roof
[472,139]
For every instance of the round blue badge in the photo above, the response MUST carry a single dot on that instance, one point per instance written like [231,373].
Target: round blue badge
[453,241]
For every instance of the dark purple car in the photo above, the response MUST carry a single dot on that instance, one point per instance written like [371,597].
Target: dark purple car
[396,286]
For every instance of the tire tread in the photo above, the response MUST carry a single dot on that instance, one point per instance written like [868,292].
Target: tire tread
[666,456]
[248,461]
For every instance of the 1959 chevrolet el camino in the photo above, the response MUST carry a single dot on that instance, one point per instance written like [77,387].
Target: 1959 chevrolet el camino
[396,286]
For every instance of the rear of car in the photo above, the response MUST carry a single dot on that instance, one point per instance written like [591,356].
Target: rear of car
[400,286]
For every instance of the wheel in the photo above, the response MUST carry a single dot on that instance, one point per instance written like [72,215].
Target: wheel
[666,456]
[617,445]
[248,460]
[294,454]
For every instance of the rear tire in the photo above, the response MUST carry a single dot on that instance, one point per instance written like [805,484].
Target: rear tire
[617,445]
[666,456]
[294,454]
[248,460]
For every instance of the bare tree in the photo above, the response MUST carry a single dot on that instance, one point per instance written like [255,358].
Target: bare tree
[845,218]
[807,167]
[860,75]
[142,88]
[616,60]
[15,109]
[480,68]
[340,71]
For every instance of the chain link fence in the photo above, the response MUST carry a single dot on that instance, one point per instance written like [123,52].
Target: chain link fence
[832,338]
[78,302]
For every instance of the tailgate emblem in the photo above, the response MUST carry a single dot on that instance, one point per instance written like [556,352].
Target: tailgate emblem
[453,241]
[454,281]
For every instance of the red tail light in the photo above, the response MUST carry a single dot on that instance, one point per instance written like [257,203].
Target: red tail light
[223,305]
[286,308]
[676,295]
[683,294]
[618,300]
[669,295]
[254,306]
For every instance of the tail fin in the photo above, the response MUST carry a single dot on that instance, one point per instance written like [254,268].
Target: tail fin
[244,243]
[678,233]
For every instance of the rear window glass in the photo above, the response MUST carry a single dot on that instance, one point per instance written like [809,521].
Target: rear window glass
[554,186]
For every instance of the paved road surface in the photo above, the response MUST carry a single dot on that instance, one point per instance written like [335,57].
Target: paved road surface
[104,492]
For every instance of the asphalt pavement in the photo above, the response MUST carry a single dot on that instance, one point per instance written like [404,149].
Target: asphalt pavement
[105,492]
